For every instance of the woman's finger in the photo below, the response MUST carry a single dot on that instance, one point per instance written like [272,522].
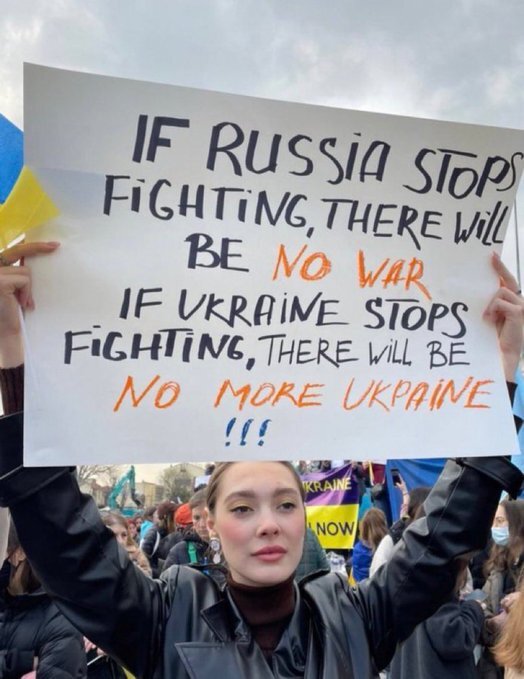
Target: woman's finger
[507,279]
[17,285]
[501,306]
[512,299]
[17,252]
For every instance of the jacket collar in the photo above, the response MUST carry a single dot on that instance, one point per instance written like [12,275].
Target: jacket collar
[226,622]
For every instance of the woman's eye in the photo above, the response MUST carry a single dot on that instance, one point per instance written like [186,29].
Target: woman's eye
[288,506]
[241,509]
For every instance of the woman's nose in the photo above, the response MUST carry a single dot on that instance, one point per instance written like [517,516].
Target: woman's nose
[268,525]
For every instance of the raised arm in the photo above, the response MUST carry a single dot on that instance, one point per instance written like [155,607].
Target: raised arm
[459,511]
[77,558]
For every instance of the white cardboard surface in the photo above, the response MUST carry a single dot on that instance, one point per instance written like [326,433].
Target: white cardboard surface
[297,352]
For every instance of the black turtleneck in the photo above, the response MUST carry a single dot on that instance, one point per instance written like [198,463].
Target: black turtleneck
[267,610]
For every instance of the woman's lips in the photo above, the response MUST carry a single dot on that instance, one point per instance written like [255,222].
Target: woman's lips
[273,553]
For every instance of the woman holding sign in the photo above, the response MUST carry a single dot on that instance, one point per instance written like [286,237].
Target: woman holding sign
[262,624]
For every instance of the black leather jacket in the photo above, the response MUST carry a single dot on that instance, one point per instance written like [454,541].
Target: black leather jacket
[184,627]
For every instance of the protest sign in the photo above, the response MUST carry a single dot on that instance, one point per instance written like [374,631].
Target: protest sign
[246,278]
[332,504]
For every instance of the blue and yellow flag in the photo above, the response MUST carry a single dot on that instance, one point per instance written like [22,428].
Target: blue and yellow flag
[11,156]
[23,202]
[332,506]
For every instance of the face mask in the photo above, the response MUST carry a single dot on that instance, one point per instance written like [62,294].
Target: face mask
[500,535]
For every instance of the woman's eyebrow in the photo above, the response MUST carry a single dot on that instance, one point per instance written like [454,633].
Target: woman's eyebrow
[250,495]
[240,495]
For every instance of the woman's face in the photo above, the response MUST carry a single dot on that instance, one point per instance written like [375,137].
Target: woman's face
[120,533]
[131,527]
[259,518]
[500,520]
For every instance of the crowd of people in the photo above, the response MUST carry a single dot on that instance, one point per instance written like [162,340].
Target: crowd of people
[234,582]
[473,634]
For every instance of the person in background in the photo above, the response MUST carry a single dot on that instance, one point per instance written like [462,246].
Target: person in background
[181,522]
[504,565]
[132,530]
[183,518]
[509,650]
[301,467]
[503,569]
[383,553]
[34,635]
[154,545]
[373,528]
[118,524]
[313,558]
[442,647]
[362,475]
[194,547]
[149,519]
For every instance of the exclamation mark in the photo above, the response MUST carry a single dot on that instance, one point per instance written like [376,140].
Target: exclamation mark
[245,430]
[262,432]
[229,427]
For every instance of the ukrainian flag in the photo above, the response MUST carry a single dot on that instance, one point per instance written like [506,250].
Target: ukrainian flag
[23,202]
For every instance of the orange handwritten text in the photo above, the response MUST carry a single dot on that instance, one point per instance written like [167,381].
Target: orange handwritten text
[313,268]
[410,272]
[267,393]
[408,395]
[164,397]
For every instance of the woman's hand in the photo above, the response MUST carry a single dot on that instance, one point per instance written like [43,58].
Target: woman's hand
[509,601]
[506,311]
[15,291]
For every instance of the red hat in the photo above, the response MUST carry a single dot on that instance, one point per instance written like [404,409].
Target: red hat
[183,515]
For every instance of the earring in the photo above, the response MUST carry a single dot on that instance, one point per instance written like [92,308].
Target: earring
[214,545]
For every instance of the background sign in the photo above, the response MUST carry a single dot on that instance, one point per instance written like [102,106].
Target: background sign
[332,506]
[245,278]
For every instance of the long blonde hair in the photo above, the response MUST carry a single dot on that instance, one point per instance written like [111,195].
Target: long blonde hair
[509,650]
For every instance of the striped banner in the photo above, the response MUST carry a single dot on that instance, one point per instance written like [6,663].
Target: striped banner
[332,506]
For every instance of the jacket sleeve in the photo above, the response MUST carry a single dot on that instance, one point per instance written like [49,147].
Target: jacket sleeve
[15,663]
[149,542]
[454,630]
[60,651]
[177,556]
[80,563]
[422,570]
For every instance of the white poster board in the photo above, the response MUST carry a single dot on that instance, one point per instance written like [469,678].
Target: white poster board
[246,278]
